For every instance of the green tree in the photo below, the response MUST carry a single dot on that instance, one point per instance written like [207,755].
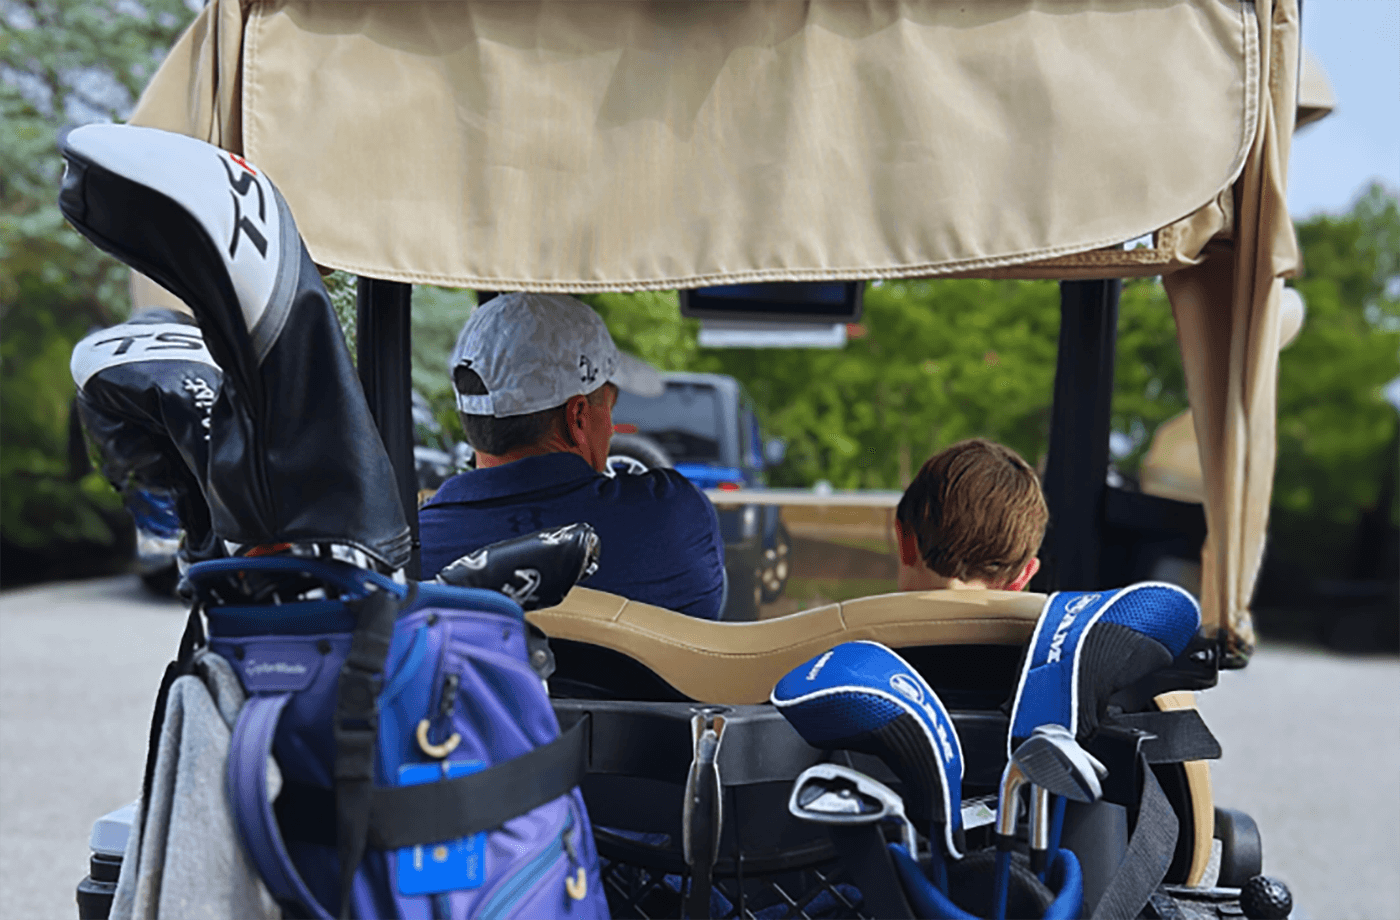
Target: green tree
[1149,383]
[62,62]
[932,362]
[1335,428]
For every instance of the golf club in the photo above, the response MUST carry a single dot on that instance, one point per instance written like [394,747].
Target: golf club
[861,696]
[1054,764]
[830,793]
[213,230]
[1008,807]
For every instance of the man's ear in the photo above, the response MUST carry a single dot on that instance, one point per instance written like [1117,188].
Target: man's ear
[908,545]
[1027,573]
[576,422]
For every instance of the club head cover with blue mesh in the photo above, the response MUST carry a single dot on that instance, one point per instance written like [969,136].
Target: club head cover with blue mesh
[1088,645]
[860,696]
[294,454]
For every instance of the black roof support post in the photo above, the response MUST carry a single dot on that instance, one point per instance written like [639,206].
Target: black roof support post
[385,356]
[1076,468]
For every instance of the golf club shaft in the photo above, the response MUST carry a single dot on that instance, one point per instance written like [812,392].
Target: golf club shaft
[1002,881]
[938,868]
[1040,829]
[1057,822]
[1008,805]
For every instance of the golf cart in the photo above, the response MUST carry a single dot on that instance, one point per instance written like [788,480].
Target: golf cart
[639,146]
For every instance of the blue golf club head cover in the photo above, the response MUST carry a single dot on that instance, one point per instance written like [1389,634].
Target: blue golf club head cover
[1089,645]
[293,453]
[860,696]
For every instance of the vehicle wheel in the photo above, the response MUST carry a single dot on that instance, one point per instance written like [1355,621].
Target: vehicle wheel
[162,582]
[773,575]
[641,448]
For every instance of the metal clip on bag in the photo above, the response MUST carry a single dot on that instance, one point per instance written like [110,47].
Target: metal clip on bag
[418,750]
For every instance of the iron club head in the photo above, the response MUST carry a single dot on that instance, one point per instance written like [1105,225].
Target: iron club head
[830,793]
[1054,764]
[861,696]
[1051,759]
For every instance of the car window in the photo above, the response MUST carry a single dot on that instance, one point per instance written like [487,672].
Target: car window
[749,437]
[685,420]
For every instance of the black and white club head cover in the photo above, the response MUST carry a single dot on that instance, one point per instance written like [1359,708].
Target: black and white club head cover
[536,570]
[295,456]
[146,392]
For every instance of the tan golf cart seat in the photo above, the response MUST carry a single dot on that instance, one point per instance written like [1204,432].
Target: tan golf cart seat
[738,663]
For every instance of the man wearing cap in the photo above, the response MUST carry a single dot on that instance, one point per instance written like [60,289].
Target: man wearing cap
[536,377]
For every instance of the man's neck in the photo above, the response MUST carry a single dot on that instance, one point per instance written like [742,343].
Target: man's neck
[552,444]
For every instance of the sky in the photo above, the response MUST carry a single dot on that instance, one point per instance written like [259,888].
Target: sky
[1358,44]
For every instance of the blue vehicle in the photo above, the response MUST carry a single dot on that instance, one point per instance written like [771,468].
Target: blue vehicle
[705,427]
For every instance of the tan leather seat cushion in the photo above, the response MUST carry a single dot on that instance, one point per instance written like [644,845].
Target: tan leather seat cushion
[738,663]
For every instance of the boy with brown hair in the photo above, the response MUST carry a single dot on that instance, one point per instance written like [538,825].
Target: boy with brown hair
[973,517]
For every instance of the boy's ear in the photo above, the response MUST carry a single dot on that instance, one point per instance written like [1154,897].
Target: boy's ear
[908,545]
[1027,573]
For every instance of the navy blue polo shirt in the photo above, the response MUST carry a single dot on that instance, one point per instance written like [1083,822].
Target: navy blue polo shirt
[660,535]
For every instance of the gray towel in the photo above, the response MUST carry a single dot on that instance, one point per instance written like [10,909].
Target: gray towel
[187,861]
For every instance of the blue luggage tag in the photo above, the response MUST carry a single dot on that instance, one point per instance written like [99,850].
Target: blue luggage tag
[453,865]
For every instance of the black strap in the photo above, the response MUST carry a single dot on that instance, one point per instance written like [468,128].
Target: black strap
[356,726]
[190,642]
[1149,854]
[405,816]
[1179,735]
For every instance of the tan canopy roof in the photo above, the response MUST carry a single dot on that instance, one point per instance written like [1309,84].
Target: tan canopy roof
[1315,98]
[632,144]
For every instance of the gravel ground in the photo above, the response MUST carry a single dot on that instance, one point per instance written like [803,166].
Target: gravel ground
[1312,749]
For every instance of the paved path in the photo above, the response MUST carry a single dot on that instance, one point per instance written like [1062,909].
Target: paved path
[80,664]
[1312,744]
[1312,753]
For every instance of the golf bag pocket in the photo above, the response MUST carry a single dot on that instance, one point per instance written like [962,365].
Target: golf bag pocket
[423,772]
[1089,645]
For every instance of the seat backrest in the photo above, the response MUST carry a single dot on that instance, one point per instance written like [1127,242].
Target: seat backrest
[738,663]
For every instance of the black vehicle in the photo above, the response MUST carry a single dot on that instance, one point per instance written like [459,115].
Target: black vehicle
[705,427]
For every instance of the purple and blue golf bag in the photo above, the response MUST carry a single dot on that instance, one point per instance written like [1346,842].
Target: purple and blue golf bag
[414,741]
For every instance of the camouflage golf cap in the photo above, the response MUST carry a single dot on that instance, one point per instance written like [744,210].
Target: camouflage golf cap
[536,351]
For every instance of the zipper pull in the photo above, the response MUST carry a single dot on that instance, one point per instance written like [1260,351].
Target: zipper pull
[448,701]
[577,883]
[446,704]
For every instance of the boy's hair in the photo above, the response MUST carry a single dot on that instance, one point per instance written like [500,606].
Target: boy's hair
[976,511]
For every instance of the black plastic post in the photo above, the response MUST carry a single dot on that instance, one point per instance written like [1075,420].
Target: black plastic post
[1077,465]
[385,355]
